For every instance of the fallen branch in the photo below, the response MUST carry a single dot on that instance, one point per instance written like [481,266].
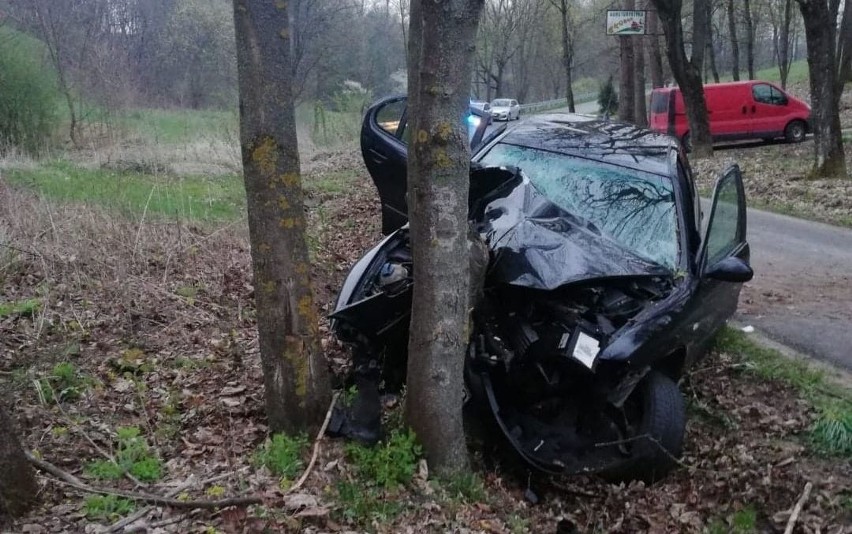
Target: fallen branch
[76,483]
[798,509]
[320,434]
[118,525]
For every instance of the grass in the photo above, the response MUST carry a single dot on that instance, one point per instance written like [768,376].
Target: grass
[132,456]
[24,308]
[388,464]
[107,507]
[282,455]
[177,126]
[190,197]
[831,432]
[798,73]
[65,383]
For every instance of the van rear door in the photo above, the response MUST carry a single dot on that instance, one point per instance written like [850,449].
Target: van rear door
[661,113]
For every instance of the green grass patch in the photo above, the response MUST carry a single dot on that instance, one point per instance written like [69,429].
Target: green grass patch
[388,464]
[188,197]
[65,383]
[180,126]
[330,183]
[798,73]
[24,308]
[363,506]
[133,455]
[107,507]
[282,455]
[465,487]
[831,433]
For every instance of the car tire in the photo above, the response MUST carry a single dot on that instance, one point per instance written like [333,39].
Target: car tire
[663,419]
[795,132]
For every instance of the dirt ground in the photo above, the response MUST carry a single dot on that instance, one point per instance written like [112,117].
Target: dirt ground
[158,317]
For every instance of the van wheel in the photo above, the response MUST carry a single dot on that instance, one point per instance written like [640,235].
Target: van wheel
[795,132]
[686,142]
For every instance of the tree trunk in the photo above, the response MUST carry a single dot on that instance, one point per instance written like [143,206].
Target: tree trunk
[735,44]
[18,487]
[567,53]
[711,51]
[655,55]
[626,81]
[829,159]
[640,111]
[784,43]
[749,24]
[687,72]
[294,368]
[844,49]
[442,39]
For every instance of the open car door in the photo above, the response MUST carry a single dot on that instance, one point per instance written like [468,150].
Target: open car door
[723,260]
[384,141]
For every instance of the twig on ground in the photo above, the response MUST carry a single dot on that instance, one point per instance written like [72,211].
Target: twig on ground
[76,483]
[798,509]
[320,434]
[129,520]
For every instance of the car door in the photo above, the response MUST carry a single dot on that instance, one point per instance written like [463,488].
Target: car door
[768,111]
[385,155]
[723,259]
[384,140]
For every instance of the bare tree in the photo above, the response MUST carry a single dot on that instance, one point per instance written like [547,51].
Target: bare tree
[782,21]
[18,487]
[626,81]
[711,50]
[640,111]
[442,37]
[824,52]
[735,44]
[655,56]
[567,25]
[749,27]
[294,369]
[687,72]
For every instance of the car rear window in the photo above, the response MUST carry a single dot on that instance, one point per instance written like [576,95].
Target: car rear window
[659,102]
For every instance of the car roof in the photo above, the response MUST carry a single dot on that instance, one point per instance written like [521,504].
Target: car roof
[594,138]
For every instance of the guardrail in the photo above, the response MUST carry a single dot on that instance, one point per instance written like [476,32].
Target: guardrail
[557,103]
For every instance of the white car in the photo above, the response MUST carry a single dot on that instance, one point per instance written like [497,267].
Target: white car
[505,109]
[480,105]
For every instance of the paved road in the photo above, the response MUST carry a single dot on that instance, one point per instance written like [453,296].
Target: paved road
[801,295]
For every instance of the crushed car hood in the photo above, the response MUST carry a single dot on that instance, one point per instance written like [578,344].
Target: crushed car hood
[538,245]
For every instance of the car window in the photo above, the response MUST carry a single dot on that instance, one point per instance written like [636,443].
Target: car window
[500,102]
[389,116]
[724,234]
[634,208]
[659,102]
[514,102]
[766,94]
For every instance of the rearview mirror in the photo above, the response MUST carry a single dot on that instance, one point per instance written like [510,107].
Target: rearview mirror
[730,269]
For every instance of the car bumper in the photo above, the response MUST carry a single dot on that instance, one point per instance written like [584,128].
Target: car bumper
[500,116]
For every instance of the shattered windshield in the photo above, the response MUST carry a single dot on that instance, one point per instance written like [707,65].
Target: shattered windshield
[634,208]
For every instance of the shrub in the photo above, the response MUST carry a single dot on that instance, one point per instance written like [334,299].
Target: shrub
[282,454]
[387,464]
[28,93]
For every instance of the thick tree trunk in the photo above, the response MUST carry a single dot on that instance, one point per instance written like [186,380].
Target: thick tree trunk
[749,24]
[687,72]
[844,48]
[735,44]
[18,487]
[294,368]
[829,159]
[655,55]
[440,56]
[640,109]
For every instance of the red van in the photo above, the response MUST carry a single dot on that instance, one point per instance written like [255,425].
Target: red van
[737,110]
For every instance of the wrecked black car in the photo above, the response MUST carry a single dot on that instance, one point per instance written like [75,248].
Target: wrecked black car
[600,288]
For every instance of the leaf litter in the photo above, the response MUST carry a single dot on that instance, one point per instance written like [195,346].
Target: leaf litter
[107,285]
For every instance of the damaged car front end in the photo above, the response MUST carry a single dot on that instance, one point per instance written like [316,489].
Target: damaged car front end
[595,293]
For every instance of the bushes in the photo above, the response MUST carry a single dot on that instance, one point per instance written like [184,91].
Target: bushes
[28,94]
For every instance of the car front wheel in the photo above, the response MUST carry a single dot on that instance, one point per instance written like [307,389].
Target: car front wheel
[657,413]
[795,132]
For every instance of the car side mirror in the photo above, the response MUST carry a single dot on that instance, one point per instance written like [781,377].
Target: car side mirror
[730,269]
